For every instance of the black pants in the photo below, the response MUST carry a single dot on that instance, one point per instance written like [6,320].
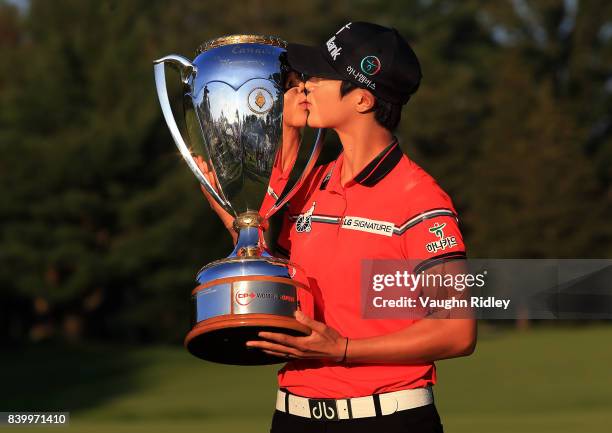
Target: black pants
[423,419]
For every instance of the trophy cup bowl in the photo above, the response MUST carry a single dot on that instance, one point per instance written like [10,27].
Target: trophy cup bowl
[233,94]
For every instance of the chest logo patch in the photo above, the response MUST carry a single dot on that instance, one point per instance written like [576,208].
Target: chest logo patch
[443,242]
[367,225]
[304,221]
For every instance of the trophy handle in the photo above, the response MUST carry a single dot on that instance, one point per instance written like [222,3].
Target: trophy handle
[316,150]
[187,69]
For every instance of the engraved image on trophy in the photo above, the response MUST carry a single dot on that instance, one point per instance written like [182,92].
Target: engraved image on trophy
[245,124]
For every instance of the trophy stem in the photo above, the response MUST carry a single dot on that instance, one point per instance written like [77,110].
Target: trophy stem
[251,243]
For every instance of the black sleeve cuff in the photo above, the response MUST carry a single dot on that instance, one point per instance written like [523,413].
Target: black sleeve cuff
[436,260]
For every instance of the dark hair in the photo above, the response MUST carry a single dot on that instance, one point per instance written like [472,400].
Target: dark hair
[387,114]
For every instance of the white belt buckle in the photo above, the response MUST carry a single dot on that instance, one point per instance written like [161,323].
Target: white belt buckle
[388,404]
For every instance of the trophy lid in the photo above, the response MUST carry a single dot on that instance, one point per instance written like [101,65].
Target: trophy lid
[241,39]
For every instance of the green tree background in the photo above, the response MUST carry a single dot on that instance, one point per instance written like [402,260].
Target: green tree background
[103,227]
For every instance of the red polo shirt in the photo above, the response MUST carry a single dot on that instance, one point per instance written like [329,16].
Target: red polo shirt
[278,180]
[385,212]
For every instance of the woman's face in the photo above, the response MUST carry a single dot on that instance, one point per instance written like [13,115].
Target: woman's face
[327,109]
[295,110]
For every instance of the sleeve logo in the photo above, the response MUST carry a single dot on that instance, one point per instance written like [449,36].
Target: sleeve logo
[443,242]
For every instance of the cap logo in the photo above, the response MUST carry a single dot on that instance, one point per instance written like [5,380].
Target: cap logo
[370,65]
[332,48]
[360,77]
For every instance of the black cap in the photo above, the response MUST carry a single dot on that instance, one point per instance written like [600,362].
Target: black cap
[373,57]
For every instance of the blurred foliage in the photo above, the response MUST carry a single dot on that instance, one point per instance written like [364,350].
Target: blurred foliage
[103,227]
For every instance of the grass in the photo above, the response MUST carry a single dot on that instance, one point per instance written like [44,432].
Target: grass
[542,380]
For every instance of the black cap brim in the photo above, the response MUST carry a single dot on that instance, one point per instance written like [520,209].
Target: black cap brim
[310,61]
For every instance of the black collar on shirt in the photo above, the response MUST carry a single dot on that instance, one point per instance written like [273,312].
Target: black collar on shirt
[376,169]
[380,166]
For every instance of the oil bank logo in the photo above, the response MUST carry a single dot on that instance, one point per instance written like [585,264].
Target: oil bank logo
[304,221]
[443,242]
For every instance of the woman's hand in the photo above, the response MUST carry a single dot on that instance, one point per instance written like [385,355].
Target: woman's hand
[323,342]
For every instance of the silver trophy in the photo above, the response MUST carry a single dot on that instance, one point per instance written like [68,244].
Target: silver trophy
[244,127]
